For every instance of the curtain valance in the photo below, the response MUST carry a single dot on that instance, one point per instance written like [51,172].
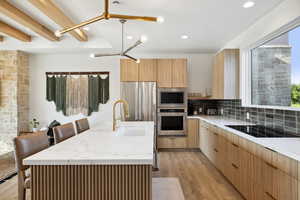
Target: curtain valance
[77,92]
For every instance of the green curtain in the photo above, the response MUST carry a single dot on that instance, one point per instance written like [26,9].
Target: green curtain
[98,92]
[50,88]
[60,94]
[93,94]
[104,89]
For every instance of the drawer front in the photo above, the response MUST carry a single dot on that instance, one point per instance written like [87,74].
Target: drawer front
[171,142]
[281,162]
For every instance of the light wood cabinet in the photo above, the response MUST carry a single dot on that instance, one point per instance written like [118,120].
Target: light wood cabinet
[258,173]
[222,156]
[179,73]
[193,133]
[129,70]
[148,70]
[172,73]
[168,73]
[225,80]
[164,73]
[167,142]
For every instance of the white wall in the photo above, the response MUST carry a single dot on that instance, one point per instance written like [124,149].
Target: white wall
[283,14]
[199,67]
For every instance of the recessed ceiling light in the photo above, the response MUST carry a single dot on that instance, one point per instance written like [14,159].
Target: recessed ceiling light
[129,37]
[249,4]
[184,37]
[86,28]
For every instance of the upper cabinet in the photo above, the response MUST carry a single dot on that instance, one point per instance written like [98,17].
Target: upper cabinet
[168,73]
[172,73]
[164,73]
[131,71]
[179,73]
[148,70]
[226,75]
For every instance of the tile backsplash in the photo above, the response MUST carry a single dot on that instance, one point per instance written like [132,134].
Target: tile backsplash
[283,120]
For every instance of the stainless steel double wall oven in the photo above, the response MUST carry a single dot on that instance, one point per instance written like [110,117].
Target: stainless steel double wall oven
[172,111]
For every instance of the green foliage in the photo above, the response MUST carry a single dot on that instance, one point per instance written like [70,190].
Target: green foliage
[295,95]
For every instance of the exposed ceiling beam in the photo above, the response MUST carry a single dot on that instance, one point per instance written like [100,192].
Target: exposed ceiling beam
[13,32]
[24,19]
[57,15]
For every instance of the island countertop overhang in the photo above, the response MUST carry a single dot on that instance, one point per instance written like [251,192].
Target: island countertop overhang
[102,146]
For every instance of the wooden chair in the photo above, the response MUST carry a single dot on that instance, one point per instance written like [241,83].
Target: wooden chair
[25,146]
[63,132]
[82,125]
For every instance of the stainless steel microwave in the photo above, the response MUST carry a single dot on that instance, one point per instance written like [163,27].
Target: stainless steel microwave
[172,97]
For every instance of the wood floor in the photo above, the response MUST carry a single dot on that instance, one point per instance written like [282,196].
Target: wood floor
[7,165]
[198,178]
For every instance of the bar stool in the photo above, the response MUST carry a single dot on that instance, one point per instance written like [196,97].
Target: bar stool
[63,132]
[25,146]
[82,125]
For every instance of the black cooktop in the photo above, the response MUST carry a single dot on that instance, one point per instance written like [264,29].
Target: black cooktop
[262,131]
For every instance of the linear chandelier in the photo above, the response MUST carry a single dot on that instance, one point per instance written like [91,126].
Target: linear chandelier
[106,15]
[124,53]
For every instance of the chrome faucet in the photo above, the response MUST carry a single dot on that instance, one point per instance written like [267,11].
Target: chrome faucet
[125,110]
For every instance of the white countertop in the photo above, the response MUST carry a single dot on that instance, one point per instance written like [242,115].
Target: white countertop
[131,144]
[289,147]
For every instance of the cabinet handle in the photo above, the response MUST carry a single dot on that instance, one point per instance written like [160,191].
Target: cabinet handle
[235,145]
[272,166]
[267,193]
[233,165]
[216,150]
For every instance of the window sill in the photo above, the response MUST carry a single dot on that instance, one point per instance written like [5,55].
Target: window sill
[272,107]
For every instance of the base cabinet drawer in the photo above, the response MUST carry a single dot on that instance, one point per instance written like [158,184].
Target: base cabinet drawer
[172,142]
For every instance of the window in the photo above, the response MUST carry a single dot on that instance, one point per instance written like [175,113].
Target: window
[275,71]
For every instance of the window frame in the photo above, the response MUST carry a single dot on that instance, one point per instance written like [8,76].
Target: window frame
[246,67]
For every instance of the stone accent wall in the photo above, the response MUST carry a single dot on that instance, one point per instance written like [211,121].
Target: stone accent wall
[23,92]
[14,97]
[271,76]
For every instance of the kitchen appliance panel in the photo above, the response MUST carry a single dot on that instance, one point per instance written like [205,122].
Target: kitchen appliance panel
[260,131]
[141,97]
[129,92]
[172,122]
[147,101]
[172,97]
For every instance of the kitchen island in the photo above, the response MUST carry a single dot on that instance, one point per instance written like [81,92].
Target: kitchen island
[98,164]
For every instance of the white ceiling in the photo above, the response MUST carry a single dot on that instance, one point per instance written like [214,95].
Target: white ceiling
[208,23]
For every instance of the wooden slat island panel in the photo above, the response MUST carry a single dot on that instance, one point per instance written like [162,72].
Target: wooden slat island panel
[92,182]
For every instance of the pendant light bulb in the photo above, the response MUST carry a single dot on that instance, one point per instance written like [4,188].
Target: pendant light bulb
[58,33]
[92,55]
[144,38]
[138,61]
[160,20]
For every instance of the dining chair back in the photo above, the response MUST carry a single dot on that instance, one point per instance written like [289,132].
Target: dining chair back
[63,132]
[82,125]
[25,146]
